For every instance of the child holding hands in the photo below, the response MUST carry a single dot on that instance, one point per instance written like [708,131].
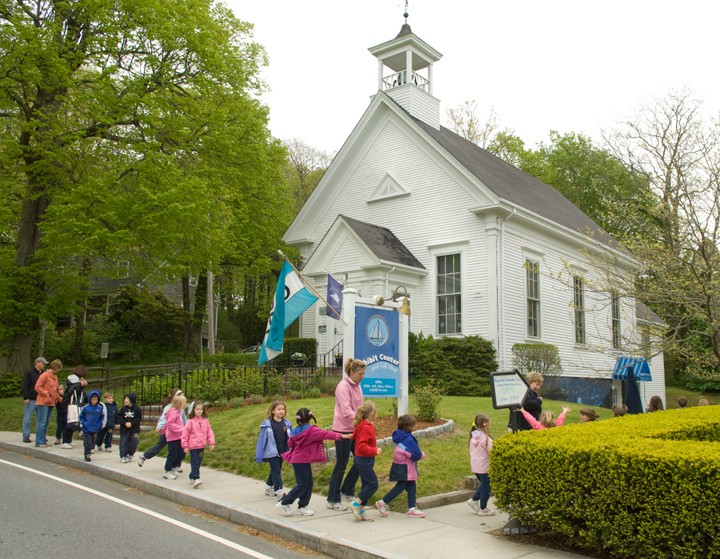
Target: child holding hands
[196,435]
[306,448]
[404,468]
[272,443]
[366,450]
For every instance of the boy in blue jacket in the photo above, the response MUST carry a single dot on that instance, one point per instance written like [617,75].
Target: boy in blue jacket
[92,419]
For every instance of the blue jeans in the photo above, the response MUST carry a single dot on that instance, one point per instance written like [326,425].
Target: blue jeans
[303,486]
[400,486]
[128,443]
[482,493]
[343,447]
[61,421]
[43,418]
[175,455]
[105,436]
[366,468]
[157,447]
[88,443]
[196,458]
[28,411]
[275,476]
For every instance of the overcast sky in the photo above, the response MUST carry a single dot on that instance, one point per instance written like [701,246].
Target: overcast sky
[561,65]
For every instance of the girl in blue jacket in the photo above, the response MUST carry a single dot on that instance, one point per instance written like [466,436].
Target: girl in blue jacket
[272,442]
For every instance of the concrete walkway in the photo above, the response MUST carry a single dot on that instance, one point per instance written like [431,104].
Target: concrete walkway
[448,531]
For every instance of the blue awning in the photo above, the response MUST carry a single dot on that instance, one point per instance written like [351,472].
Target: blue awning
[639,365]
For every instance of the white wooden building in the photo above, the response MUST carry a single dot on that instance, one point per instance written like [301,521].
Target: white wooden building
[481,247]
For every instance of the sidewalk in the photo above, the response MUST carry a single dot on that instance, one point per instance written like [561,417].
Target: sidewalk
[447,531]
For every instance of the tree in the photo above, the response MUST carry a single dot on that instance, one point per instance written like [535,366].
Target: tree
[678,153]
[465,122]
[306,165]
[130,131]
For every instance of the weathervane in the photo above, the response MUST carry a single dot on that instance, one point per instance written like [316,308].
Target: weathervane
[405,15]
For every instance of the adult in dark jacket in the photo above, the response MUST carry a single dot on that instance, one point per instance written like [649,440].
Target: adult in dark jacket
[27,390]
[75,395]
[129,418]
[532,405]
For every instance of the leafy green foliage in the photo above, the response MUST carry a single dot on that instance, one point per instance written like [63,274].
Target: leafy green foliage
[542,358]
[10,385]
[428,399]
[458,366]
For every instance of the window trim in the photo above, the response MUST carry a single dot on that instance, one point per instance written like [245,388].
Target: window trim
[615,321]
[458,315]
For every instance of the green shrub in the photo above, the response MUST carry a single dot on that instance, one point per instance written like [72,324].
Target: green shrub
[458,366]
[10,385]
[543,358]
[428,400]
[637,486]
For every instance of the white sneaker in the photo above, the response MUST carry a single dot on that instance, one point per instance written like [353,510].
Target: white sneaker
[108,449]
[269,491]
[347,499]
[486,512]
[124,460]
[141,460]
[66,445]
[357,510]
[197,483]
[382,508]
[279,494]
[337,506]
[474,505]
[304,511]
[169,475]
[285,509]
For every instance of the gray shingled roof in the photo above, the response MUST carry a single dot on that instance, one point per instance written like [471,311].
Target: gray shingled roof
[383,243]
[643,312]
[516,186]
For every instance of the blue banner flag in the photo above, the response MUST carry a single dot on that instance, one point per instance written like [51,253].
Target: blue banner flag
[291,300]
[334,298]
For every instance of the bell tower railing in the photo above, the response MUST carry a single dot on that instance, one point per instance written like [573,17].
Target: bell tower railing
[400,78]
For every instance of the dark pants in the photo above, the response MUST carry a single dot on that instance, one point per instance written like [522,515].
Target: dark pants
[88,442]
[275,476]
[196,458]
[128,443]
[156,448]
[400,486]
[365,467]
[343,448]
[303,486]
[61,412]
[482,493]
[175,455]
[105,436]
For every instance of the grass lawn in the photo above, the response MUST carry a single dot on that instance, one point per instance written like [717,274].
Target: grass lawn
[444,469]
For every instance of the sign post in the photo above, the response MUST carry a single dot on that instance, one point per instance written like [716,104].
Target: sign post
[509,390]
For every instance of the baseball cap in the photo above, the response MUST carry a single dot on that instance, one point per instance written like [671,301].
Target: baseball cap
[42,360]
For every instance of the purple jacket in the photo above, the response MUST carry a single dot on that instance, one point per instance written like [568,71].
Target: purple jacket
[306,445]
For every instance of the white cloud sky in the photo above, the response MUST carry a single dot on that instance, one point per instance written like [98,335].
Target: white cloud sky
[555,65]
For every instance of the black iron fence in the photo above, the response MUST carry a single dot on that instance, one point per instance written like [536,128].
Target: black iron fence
[152,384]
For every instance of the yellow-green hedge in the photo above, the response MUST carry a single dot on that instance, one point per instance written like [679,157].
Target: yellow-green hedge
[634,486]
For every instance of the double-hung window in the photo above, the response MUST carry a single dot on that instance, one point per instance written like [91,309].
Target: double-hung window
[449,300]
[615,305]
[532,281]
[579,307]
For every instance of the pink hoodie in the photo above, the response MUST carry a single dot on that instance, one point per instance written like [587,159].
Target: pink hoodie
[348,398]
[197,434]
[174,425]
[535,424]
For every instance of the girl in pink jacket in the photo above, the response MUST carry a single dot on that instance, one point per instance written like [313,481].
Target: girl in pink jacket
[306,448]
[196,435]
[547,419]
[173,434]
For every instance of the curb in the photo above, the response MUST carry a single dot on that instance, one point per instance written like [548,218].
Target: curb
[322,542]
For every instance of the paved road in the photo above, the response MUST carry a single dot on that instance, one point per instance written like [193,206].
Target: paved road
[48,510]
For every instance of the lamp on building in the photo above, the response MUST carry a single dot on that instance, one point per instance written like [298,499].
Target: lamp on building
[404,307]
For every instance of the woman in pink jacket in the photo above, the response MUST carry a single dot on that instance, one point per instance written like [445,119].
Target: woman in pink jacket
[47,396]
[173,434]
[196,435]
[348,398]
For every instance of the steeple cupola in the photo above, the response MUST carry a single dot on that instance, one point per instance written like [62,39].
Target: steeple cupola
[410,80]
